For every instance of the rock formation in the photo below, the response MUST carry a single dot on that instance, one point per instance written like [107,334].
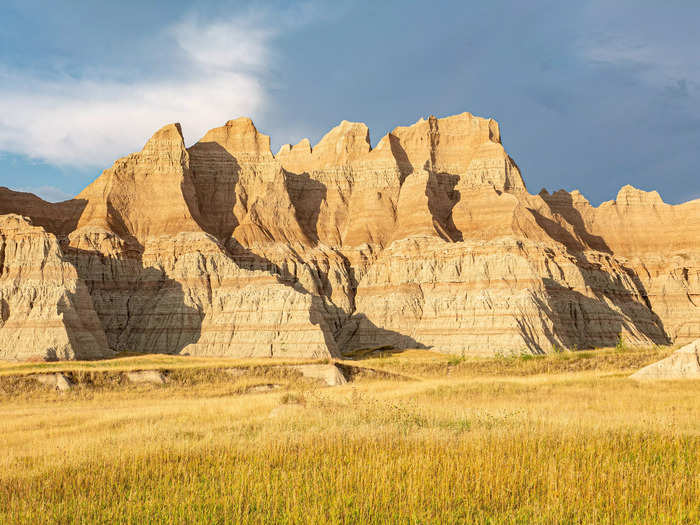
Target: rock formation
[45,309]
[684,363]
[57,382]
[430,239]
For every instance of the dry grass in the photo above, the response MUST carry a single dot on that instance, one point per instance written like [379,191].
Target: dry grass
[427,363]
[128,362]
[483,443]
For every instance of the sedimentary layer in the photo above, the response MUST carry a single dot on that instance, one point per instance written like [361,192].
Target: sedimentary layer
[46,311]
[430,239]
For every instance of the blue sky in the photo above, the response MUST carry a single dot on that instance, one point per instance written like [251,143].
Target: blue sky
[589,95]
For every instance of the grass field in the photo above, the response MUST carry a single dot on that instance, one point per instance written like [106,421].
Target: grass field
[564,438]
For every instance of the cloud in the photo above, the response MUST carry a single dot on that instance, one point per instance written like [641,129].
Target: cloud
[658,63]
[656,44]
[215,72]
[241,43]
[48,193]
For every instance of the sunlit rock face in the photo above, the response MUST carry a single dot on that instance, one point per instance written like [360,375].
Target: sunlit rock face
[430,239]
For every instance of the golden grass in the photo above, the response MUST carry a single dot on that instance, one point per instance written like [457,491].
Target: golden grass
[142,362]
[506,444]
[426,363]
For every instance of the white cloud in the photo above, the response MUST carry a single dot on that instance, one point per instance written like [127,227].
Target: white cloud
[48,193]
[217,74]
[237,43]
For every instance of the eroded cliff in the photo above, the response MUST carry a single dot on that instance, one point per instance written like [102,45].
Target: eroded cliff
[430,239]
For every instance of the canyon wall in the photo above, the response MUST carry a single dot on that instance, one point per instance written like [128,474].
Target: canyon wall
[428,240]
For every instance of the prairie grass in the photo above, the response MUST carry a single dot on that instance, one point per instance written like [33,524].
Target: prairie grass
[433,364]
[486,443]
[127,362]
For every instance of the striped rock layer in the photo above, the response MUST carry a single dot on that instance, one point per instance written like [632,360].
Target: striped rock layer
[428,240]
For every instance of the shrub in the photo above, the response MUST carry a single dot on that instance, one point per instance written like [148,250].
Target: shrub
[620,345]
[293,398]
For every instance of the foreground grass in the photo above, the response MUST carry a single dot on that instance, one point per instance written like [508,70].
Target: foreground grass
[584,446]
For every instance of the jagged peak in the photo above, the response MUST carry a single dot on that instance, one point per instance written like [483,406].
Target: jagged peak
[416,124]
[344,143]
[169,130]
[303,146]
[240,136]
[629,195]
[291,156]
[488,127]
[347,140]
[495,130]
[347,124]
[579,197]
[246,122]
[563,196]
[346,129]
[165,138]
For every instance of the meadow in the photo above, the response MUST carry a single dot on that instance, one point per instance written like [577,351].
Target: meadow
[566,438]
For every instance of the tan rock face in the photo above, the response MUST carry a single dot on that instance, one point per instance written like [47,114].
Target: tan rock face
[152,377]
[146,194]
[328,374]
[46,311]
[58,382]
[684,363]
[659,244]
[428,240]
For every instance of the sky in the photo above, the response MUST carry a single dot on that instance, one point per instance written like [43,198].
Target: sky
[589,95]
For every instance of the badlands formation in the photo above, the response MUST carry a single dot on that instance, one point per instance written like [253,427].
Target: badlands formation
[428,240]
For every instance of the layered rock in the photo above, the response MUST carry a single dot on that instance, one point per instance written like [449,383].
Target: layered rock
[659,244]
[509,296]
[46,311]
[430,239]
[161,283]
[147,194]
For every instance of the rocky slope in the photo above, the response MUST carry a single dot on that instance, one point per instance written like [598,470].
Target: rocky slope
[430,239]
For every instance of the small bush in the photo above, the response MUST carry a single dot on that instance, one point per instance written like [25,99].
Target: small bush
[556,349]
[456,425]
[293,398]
[454,360]
[620,345]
